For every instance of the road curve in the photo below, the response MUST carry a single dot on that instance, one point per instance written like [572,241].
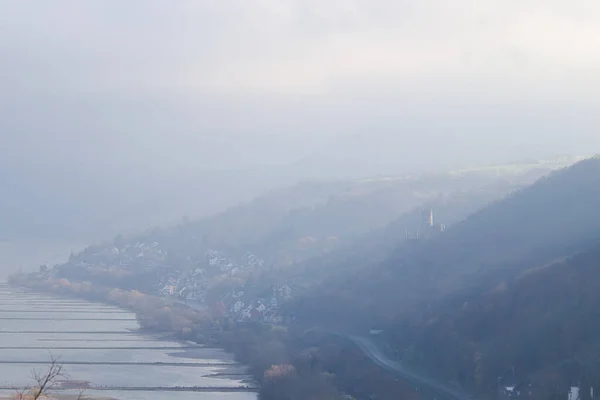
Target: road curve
[441,389]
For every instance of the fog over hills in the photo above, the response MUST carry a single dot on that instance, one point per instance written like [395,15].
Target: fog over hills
[550,219]
[513,282]
[177,112]
[358,198]
[348,256]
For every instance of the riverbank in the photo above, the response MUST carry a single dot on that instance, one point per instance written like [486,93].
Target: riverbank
[159,315]
[285,362]
[101,350]
[153,313]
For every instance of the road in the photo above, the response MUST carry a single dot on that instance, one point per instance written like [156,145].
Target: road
[441,390]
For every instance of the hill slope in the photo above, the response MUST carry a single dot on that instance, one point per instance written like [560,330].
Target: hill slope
[306,220]
[555,217]
[541,326]
[512,286]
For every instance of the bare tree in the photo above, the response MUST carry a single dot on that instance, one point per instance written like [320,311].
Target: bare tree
[45,382]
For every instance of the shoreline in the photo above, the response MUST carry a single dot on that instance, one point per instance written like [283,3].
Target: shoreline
[280,360]
[101,296]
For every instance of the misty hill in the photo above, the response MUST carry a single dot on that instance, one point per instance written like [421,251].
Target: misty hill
[374,247]
[555,217]
[540,325]
[351,266]
[305,233]
[72,203]
[309,219]
[513,285]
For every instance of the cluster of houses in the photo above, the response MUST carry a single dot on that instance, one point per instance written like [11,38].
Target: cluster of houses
[243,308]
[249,263]
[525,390]
[192,280]
[182,285]
[239,304]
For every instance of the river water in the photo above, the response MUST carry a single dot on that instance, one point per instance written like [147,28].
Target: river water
[101,349]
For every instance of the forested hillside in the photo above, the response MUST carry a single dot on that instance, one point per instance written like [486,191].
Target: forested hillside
[555,217]
[370,249]
[513,285]
[541,325]
[326,255]
[300,235]
[309,219]
[290,225]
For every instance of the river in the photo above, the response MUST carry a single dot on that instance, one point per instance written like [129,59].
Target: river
[101,349]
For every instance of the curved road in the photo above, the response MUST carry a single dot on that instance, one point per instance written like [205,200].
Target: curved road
[441,389]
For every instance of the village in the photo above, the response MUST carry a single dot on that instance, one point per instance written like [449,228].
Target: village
[216,282]
[192,287]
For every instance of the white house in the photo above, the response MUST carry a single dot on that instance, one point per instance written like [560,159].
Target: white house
[237,307]
[574,393]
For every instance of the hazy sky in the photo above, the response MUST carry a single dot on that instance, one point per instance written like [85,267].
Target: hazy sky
[147,89]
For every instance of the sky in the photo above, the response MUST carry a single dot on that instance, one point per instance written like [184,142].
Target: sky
[131,99]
